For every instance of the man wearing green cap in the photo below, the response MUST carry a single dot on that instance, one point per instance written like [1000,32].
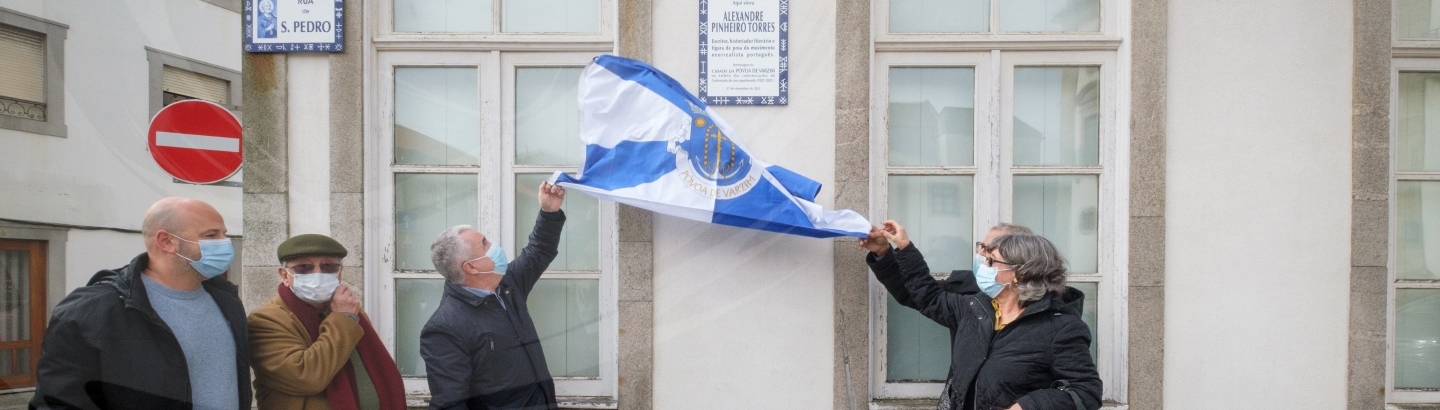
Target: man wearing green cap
[313,347]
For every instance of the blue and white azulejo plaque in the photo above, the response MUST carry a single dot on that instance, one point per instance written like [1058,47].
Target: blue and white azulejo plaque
[745,52]
[282,26]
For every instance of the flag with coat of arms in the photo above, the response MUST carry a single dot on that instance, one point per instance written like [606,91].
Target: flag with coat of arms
[653,145]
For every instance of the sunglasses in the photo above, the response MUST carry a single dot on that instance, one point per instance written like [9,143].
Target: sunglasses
[306,269]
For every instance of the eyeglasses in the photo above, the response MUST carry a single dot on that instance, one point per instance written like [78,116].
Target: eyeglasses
[990,261]
[306,269]
[980,247]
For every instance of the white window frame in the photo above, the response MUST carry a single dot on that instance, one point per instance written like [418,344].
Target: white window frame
[608,234]
[387,38]
[1393,396]
[1412,46]
[985,163]
[993,173]
[496,212]
[1106,38]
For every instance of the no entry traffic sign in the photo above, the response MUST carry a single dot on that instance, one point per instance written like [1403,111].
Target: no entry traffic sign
[196,141]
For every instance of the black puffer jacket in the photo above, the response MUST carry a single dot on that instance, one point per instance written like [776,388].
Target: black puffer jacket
[1021,363]
[107,348]
[480,355]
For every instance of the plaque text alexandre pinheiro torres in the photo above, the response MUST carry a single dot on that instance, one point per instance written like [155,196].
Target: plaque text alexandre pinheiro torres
[744,52]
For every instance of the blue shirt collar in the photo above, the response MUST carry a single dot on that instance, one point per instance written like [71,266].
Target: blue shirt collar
[482,293]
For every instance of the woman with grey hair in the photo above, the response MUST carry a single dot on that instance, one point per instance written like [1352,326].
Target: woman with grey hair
[1019,341]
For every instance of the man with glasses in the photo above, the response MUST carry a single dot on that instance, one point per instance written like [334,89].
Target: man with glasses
[313,346]
[480,346]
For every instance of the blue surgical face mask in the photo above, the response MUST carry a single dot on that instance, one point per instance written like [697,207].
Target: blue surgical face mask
[985,277]
[497,255]
[215,256]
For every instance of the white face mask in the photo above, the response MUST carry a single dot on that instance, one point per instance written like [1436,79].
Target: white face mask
[315,287]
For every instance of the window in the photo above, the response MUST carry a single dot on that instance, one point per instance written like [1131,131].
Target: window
[1415,264]
[22,310]
[1415,20]
[483,16]
[32,55]
[469,137]
[974,125]
[984,16]
[175,78]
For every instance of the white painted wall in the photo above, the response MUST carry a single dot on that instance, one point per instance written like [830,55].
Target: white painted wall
[90,251]
[1258,207]
[743,319]
[101,174]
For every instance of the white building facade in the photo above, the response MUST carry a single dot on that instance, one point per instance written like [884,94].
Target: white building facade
[81,81]
[1243,190]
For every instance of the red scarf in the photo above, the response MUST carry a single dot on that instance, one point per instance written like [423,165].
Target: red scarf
[378,364]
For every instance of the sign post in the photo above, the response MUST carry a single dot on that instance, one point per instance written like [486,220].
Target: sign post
[196,141]
[745,52]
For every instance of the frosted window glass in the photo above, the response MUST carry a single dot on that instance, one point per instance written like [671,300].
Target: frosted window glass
[415,301]
[1091,313]
[1417,339]
[579,241]
[437,116]
[425,205]
[1418,18]
[552,16]
[1417,222]
[936,210]
[1057,116]
[1050,15]
[939,16]
[547,117]
[1064,209]
[567,318]
[1418,139]
[916,348]
[443,16]
[932,116]
[15,292]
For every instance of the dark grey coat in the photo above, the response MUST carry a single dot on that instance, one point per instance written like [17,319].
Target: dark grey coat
[107,348]
[1018,364]
[479,355]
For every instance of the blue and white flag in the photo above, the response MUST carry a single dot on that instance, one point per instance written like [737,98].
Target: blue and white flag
[653,145]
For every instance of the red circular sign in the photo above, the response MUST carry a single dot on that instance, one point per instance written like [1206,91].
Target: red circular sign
[196,141]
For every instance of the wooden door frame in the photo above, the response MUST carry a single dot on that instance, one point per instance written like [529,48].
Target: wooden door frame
[38,311]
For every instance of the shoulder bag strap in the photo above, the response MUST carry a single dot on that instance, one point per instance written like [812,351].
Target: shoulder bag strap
[1064,386]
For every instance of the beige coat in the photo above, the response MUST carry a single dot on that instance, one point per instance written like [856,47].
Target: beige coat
[292,368]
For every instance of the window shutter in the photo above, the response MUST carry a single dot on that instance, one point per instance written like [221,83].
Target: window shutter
[22,64]
[190,84]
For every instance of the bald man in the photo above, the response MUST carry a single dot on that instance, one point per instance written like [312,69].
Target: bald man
[164,332]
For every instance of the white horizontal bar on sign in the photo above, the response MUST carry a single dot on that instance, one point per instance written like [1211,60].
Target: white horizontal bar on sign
[192,141]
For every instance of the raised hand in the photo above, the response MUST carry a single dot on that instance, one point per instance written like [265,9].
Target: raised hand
[897,234]
[551,197]
[877,242]
[344,301]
